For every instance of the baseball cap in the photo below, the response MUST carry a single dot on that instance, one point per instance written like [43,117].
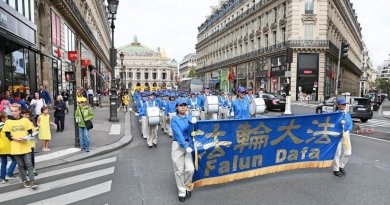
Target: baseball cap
[241,89]
[341,101]
[181,101]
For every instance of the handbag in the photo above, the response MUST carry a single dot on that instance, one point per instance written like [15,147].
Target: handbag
[88,123]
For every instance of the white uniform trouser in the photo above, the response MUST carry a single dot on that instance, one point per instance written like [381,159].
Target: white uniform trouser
[144,126]
[183,167]
[343,152]
[168,124]
[162,121]
[152,135]
[208,116]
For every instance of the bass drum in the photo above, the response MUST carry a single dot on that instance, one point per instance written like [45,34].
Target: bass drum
[153,115]
[211,104]
[257,106]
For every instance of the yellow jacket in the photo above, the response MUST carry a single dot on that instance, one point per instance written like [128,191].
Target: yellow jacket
[5,144]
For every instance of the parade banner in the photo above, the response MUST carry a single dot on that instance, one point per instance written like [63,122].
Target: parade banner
[228,150]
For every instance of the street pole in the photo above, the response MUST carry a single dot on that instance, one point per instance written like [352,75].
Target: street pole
[76,127]
[113,96]
[287,110]
[338,70]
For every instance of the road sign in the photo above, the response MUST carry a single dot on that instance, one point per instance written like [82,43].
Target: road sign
[72,55]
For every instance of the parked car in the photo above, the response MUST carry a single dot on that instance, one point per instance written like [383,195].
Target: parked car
[326,106]
[361,108]
[274,101]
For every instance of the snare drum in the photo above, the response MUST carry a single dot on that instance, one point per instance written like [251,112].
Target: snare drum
[153,115]
[195,113]
[256,106]
[211,104]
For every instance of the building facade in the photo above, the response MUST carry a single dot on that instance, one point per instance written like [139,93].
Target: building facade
[275,44]
[143,66]
[18,45]
[79,25]
[367,79]
[187,64]
[384,70]
[37,35]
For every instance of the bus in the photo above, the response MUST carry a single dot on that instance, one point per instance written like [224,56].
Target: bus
[191,84]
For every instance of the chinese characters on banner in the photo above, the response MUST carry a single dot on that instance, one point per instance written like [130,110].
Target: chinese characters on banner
[229,150]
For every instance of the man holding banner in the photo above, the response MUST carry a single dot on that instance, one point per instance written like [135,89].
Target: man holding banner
[241,105]
[183,164]
[344,148]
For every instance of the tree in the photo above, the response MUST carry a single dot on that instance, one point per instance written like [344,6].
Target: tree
[192,73]
[382,84]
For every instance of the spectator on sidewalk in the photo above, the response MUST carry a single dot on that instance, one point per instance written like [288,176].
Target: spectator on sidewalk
[44,94]
[5,151]
[26,114]
[18,99]
[36,106]
[17,130]
[59,113]
[65,96]
[5,105]
[90,95]
[125,100]
[82,114]
[44,128]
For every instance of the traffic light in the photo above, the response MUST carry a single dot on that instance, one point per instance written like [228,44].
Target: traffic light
[344,50]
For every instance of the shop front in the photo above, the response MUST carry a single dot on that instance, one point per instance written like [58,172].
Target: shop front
[278,71]
[17,50]
[307,74]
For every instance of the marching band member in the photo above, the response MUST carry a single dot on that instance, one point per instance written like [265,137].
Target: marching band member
[152,129]
[183,164]
[344,148]
[202,99]
[163,107]
[221,102]
[249,96]
[142,114]
[170,113]
[228,105]
[193,101]
[241,105]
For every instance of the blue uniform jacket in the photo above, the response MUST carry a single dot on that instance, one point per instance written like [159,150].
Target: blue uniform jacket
[193,103]
[201,99]
[228,103]
[221,100]
[182,128]
[241,109]
[349,123]
[171,107]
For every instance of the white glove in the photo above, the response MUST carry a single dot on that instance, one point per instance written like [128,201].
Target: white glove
[136,114]
[188,149]
[194,120]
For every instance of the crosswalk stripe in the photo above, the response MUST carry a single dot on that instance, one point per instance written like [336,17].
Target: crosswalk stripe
[378,120]
[77,195]
[55,184]
[71,169]
[56,154]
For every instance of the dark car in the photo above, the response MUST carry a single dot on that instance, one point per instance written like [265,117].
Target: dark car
[326,106]
[361,108]
[274,101]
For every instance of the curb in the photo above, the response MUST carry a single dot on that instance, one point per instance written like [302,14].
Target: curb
[123,141]
[380,111]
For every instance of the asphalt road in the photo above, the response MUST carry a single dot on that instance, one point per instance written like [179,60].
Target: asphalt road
[139,175]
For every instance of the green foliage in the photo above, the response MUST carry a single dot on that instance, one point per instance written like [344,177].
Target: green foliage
[192,73]
[383,84]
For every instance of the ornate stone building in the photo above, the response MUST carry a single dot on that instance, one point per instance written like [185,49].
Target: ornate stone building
[73,25]
[188,63]
[274,44]
[143,66]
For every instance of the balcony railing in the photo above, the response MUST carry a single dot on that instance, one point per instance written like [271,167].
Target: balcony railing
[309,12]
[309,43]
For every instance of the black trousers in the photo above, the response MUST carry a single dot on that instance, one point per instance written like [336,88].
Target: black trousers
[60,122]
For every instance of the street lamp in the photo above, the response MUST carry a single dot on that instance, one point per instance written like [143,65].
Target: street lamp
[112,10]
[122,56]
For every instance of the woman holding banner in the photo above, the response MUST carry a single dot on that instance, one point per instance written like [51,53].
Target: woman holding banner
[183,164]
[241,105]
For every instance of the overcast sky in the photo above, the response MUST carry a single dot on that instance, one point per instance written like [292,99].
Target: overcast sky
[172,25]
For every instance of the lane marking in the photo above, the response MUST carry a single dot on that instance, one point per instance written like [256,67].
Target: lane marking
[56,154]
[115,129]
[372,138]
[55,184]
[77,195]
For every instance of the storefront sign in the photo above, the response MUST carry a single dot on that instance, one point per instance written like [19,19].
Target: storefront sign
[17,27]
[85,62]
[72,55]
[278,71]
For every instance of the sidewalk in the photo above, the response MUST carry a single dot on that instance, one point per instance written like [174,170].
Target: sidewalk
[385,109]
[104,137]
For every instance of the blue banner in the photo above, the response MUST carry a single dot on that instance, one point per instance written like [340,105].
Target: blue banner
[228,150]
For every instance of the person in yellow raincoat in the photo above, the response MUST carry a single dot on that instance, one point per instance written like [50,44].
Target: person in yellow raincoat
[5,151]
[125,100]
